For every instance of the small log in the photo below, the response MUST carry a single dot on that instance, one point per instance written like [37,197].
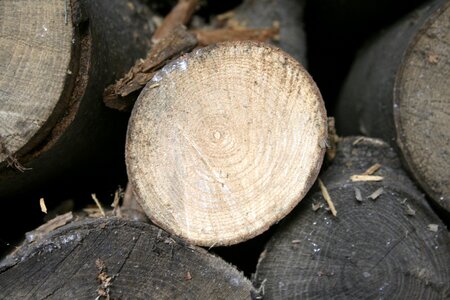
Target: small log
[398,90]
[385,242]
[110,258]
[56,59]
[225,141]
[287,15]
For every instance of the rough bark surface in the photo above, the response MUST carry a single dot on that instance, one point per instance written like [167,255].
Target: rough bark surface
[117,259]
[398,90]
[224,142]
[288,14]
[387,244]
[71,50]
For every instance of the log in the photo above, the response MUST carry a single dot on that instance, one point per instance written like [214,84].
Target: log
[56,58]
[110,258]
[285,14]
[398,90]
[382,244]
[225,141]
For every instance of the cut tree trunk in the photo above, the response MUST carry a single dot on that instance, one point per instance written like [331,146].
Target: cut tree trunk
[110,258]
[385,242]
[287,14]
[55,60]
[225,141]
[399,90]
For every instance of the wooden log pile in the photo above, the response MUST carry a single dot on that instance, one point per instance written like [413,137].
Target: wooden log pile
[238,184]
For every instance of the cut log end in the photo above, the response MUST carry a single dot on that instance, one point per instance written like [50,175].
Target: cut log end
[36,63]
[110,258]
[227,143]
[422,107]
[386,242]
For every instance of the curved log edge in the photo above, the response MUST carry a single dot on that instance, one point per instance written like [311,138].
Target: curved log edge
[225,141]
[398,90]
[117,259]
[385,241]
[107,37]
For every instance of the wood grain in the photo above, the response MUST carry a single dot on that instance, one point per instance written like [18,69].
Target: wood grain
[123,259]
[225,142]
[382,248]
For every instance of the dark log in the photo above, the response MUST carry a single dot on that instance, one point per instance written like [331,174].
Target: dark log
[285,14]
[53,121]
[387,244]
[111,258]
[398,90]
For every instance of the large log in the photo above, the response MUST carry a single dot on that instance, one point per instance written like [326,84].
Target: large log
[382,244]
[225,141]
[55,60]
[398,90]
[110,258]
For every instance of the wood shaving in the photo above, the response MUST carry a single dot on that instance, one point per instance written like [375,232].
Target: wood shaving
[327,197]
[409,211]
[316,206]
[358,140]
[104,279]
[433,58]
[376,194]
[94,197]
[188,276]
[433,227]
[42,205]
[355,178]
[295,241]
[372,169]
[358,195]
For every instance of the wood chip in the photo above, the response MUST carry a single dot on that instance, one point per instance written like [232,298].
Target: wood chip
[94,197]
[357,141]
[376,194]
[433,227]
[355,178]
[188,276]
[327,197]
[372,169]
[316,206]
[409,211]
[43,206]
[358,195]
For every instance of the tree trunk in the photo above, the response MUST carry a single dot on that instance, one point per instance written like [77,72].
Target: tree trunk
[56,59]
[289,16]
[398,90]
[224,142]
[117,259]
[385,241]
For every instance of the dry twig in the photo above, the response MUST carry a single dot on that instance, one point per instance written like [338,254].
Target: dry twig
[327,197]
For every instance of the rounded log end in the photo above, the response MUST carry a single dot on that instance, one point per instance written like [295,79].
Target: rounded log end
[226,141]
[36,51]
[422,107]
[385,242]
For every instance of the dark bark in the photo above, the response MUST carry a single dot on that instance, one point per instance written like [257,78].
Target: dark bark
[396,91]
[120,260]
[288,14]
[391,247]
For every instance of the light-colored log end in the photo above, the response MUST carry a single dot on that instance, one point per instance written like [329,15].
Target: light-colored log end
[226,143]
